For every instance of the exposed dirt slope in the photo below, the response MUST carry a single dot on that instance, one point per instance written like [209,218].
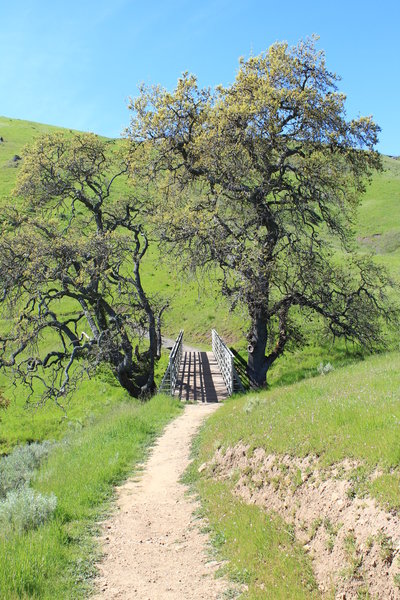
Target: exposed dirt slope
[153,547]
[354,543]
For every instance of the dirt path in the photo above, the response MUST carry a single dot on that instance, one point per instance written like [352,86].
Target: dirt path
[169,342]
[153,547]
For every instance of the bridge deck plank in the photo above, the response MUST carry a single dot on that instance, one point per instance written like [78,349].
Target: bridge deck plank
[200,379]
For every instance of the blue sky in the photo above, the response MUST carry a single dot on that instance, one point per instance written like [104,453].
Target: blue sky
[76,63]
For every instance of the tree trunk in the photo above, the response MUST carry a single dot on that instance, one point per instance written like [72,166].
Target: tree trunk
[257,363]
[149,387]
[136,378]
[127,383]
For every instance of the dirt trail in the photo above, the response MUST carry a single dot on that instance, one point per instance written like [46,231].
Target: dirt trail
[153,547]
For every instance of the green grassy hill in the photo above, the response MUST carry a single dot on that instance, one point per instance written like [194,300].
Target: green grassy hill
[378,227]
[195,305]
[351,414]
[277,463]
[16,134]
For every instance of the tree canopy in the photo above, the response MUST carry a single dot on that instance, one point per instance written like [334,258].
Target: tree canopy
[71,247]
[263,178]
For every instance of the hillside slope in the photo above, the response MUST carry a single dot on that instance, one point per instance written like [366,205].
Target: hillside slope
[378,227]
[194,305]
[320,461]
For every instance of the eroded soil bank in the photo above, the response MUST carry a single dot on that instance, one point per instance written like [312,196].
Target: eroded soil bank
[354,544]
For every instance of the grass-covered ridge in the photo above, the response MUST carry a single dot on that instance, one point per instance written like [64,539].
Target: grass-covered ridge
[349,414]
[195,304]
[16,134]
[378,227]
[353,412]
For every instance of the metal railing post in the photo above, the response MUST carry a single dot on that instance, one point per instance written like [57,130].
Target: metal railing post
[225,360]
[168,383]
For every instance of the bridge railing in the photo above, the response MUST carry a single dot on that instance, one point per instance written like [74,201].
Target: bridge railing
[168,383]
[225,360]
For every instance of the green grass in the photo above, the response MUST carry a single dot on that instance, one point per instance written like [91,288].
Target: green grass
[380,208]
[260,548]
[304,363]
[196,306]
[263,559]
[339,415]
[57,560]
[350,413]
[378,226]
[21,423]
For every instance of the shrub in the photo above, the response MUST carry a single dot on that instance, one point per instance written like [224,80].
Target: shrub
[18,468]
[324,369]
[25,509]
[253,403]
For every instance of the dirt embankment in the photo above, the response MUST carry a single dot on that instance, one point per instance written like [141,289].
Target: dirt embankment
[354,544]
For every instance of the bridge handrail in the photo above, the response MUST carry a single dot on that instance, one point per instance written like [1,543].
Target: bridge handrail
[225,360]
[168,383]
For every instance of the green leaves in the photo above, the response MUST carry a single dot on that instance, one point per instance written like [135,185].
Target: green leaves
[262,178]
[70,269]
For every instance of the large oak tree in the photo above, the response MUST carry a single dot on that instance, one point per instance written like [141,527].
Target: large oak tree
[71,248]
[263,178]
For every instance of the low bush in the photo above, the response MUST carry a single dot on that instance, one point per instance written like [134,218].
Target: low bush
[25,509]
[18,468]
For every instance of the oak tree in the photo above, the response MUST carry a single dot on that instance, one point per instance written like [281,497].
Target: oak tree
[71,248]
[262,178]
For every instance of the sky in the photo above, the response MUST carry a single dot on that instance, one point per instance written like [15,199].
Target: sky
[75,64]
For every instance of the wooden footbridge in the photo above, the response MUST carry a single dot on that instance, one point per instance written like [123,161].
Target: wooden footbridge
[197,376]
